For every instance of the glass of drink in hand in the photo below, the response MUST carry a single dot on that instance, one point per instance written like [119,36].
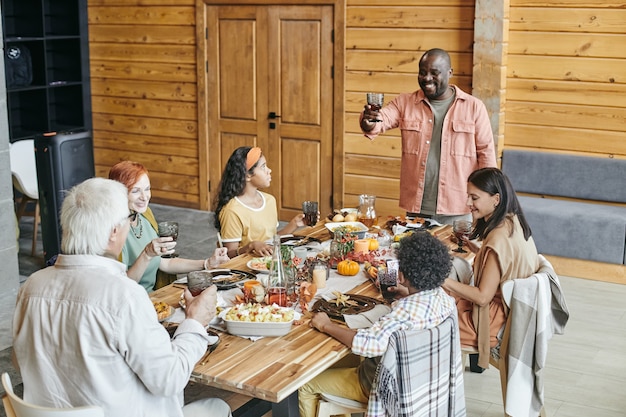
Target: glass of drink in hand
[169,229]
[387,278]
[310,210]
[198,281]
[375,101]
[461,228]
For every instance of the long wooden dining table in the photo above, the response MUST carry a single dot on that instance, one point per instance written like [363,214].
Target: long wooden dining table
[273,368]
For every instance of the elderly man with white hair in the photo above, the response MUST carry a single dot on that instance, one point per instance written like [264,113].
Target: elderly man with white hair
[85,334]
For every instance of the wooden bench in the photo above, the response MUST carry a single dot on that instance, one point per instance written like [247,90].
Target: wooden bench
[576,207]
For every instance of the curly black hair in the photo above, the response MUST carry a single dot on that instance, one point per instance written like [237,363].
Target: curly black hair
[424,261]
[233,180]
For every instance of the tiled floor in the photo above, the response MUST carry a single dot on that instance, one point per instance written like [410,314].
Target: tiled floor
[586,368]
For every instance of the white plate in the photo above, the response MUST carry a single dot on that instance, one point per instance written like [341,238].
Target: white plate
[247,328]
[258,270]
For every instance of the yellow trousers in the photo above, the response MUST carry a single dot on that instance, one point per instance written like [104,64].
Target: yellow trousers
[343,382]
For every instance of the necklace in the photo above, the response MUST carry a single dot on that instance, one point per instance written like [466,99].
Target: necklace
[140,227]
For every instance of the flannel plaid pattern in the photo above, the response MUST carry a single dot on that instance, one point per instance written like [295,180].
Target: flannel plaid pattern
[538,311]
[423,310]
[421,374]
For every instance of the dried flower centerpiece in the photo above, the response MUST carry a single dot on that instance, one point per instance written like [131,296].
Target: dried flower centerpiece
[342,245]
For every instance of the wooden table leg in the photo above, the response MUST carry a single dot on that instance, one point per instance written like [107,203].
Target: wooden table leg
[287,407]
[253,408]
[257,408]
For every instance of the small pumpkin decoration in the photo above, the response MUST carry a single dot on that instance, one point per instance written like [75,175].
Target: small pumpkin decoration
[373,244]
[348,267]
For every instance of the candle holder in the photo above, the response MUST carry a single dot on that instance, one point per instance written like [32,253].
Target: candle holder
[319,273]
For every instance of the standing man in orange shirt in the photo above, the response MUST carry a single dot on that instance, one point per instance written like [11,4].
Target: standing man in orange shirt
[446,135]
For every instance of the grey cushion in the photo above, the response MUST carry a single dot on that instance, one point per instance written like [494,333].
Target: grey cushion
[577,230]
[548,173]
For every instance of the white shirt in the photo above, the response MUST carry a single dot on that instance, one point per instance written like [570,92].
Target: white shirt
[86,334]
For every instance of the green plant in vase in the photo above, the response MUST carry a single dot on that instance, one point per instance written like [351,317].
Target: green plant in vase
[287,257]
[342,244]
[289,269]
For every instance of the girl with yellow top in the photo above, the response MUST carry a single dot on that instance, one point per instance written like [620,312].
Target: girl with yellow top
[246,217]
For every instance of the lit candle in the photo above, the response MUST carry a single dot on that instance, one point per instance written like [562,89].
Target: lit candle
[319,277]
[361,246]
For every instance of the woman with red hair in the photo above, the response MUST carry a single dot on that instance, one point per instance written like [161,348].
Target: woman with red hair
[143,248]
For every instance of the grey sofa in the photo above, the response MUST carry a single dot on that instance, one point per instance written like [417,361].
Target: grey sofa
[592,229]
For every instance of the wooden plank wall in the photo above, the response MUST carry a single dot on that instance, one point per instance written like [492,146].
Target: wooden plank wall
[565,86]
[384,42]
[566,77]
[143,83]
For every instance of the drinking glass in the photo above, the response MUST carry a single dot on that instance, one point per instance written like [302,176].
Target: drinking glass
[300,253]
[198,281]
[387,278]
[461,228]
[169,229]
[375,100]
[310,210]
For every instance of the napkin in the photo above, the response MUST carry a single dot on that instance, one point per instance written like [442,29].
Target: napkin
[340,283]
[367,318]
[178,316]
[461,271]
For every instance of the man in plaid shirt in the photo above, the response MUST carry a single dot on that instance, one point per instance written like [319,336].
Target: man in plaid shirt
[420,303]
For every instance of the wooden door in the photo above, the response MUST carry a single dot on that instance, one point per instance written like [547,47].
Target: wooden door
[273,59]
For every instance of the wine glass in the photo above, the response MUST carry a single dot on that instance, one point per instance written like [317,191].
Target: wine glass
[167,229]
[310,210]
[461,228]
[375,100]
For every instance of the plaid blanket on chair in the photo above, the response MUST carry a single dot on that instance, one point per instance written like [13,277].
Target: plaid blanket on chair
[538,311]
[420,374]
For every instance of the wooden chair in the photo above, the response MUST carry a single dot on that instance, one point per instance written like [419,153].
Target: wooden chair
[16,407]
[24,173]
[500,362]
[431,357]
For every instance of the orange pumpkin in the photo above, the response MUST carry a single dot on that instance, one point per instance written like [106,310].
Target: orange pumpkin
[348,267]
[373,244]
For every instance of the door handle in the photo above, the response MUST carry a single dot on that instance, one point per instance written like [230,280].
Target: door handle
[273,115]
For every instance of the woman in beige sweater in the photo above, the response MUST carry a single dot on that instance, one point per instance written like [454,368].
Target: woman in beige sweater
[507,252]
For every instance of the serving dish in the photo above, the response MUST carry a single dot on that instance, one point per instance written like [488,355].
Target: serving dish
[249,328]
[357,228]
[361,304]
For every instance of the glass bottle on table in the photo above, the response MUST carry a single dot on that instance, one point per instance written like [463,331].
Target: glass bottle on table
[366,212]
[277,283]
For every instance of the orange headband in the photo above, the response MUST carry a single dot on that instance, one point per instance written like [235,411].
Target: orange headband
[253,157]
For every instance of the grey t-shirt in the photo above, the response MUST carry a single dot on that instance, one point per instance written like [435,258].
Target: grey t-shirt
[431,181]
